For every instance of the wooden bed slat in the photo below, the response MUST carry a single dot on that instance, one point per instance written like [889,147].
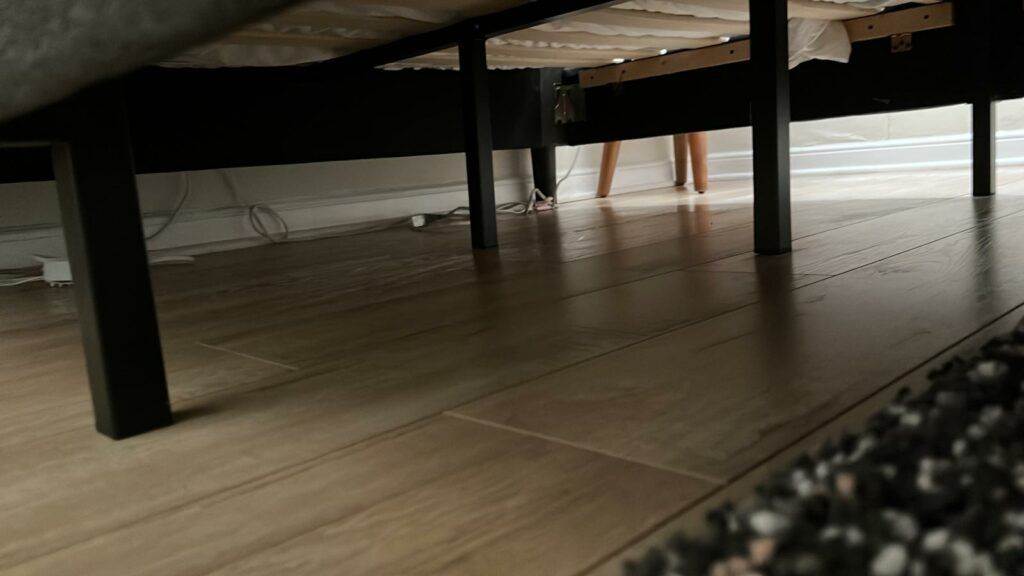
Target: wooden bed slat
[668,64]
[900,22]
[526,58]
[629,42]
[444,60]
[860,29]
[553,54]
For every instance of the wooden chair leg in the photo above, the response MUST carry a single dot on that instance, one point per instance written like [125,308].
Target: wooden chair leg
[609,158]
[679,143]
[699,158]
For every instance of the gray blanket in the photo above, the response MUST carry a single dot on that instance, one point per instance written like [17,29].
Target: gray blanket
[52,48]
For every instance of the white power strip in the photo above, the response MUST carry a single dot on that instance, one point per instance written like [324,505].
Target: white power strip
[56,271]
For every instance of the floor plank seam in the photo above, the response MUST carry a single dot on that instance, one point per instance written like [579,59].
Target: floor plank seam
[851,402]
[887,387]
[708,319]
[722,257]
[582,447]
[667,331]
[246,485]
[248,356]
[692,267]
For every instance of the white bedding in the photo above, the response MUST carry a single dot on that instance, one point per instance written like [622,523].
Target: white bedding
[815,33]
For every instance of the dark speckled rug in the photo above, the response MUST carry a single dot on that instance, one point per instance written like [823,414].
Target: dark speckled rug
[934,485]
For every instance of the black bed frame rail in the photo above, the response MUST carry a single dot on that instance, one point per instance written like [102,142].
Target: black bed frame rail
[168,120]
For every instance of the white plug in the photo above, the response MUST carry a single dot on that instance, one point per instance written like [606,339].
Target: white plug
[56,271]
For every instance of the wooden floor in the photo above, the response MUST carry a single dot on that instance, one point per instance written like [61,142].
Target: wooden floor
[392,403]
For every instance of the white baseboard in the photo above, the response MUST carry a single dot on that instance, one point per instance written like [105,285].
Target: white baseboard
[204,231]
[201,231]
[937,152]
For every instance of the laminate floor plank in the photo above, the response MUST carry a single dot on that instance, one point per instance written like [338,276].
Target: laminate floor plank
[853,246]
[44,388]
[309,341]
[613,305]
[300,337]
[717,397]
[222,440]
[495,503]
[602,236]
[692,520]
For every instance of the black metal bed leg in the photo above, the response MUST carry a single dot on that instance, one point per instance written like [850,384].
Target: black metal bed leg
[975,21]
[103,231]
[544,170]
[770,114]
[983,147]
[476,118]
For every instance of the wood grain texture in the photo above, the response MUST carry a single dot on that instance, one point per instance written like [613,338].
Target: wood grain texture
[780,366]
[274,423]
[635,338]
[861,244]
[496,503]
[45,391]
[699,159]
[609,161]
[674,63]
[681,153]
[692,520]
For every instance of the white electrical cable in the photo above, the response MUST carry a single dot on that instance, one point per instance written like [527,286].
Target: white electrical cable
[254,220]
[518,208]
[255,209]
[7,283]
[186,192]
[181,259]
[572,166]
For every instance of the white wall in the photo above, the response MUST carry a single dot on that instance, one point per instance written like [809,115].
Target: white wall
[314,196]
[935,138]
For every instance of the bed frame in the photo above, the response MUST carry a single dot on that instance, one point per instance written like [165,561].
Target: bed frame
[344,109]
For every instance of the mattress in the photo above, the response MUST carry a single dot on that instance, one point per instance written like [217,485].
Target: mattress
[324,29]
[51,48]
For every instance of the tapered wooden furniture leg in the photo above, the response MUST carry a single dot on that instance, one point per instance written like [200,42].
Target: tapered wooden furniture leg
[770,115]
[609,158]
[103,231]
[681,153]
[476,118]
[699,160]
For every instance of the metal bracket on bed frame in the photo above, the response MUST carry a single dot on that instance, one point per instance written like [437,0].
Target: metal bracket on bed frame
[570,104]
[902,42]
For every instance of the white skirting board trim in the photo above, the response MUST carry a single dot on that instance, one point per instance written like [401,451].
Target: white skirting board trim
[936,152]
[204,231]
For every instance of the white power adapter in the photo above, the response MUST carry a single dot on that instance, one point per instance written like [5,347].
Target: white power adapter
[56,271]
